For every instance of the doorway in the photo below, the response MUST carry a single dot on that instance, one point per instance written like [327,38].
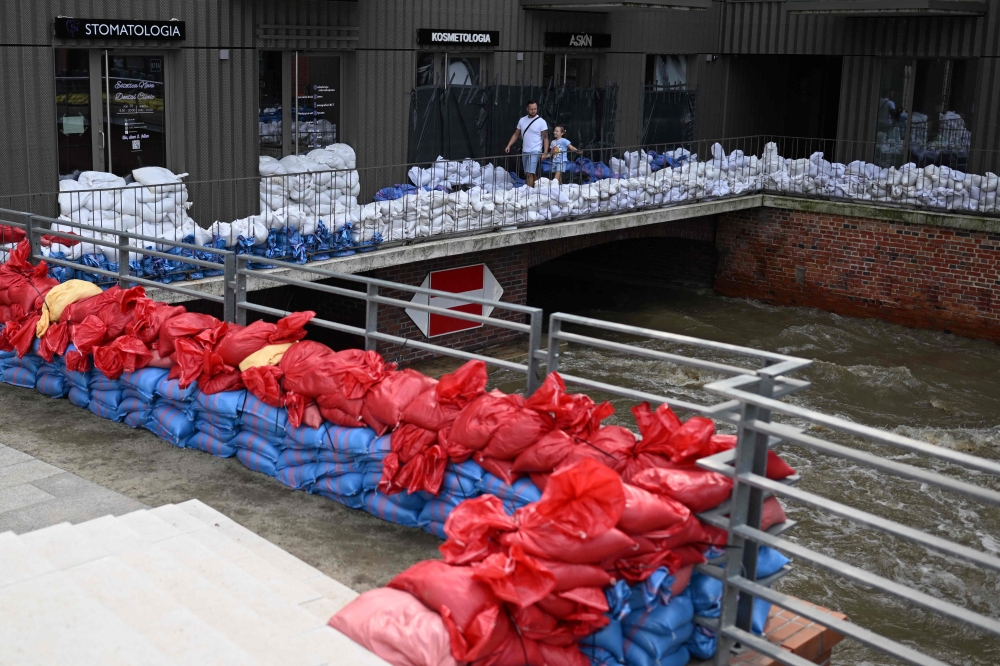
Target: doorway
[560,69]
[110,110]
[299,102]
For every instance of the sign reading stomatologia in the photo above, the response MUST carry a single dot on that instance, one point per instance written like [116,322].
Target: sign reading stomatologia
[84,28]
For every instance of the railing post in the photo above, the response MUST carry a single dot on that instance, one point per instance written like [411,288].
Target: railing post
[371,318]
[240,289]
[534,346]
[229,289]
[34,239]
[751,457]
[123,254]
[555,326]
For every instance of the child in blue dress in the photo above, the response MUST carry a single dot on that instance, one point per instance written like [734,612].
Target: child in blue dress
[559,148]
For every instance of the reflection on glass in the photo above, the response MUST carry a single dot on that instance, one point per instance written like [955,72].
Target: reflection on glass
[890,122]
[133,89]
[269,99]
[317,93]
[666,72]
[425,69]
[463,70]
[562,70]
[73,118]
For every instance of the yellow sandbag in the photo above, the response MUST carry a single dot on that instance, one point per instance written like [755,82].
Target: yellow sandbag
[269,355]
[61,296]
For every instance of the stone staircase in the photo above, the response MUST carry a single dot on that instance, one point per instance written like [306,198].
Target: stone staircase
[179,584]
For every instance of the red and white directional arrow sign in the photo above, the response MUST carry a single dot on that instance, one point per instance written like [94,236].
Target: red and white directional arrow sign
[475,281]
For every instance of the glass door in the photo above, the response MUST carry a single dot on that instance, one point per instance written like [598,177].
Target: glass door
[134,111]
[317,101]
[79,135]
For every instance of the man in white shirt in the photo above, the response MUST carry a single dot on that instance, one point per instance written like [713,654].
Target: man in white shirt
[534,133]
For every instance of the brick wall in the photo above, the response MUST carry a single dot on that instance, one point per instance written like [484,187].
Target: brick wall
[916,275]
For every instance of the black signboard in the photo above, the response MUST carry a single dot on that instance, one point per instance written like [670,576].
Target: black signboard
[578,40]
[430,37]
[85,28]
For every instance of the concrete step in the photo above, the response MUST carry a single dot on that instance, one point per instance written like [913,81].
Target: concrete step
[18,562]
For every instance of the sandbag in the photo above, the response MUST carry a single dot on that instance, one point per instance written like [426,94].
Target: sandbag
[645,512]
[437,408]
[386,400]
[695,488]
[256,462]
[209,444]
[168,424]
[60,296]
[241,343]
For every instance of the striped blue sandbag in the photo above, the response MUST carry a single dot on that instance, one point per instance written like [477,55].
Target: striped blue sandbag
[350,501]
[144,381]
[355,442]
[218,432]
[105,412]
[205,442]
[32,362]
[521,492]
[80,379]
[372,479]
[469,469]
[307,438]
[345,485]
[261,426]
[137,419]
[416,501]
[110,399]
[170,424]
[255,461]
[294,457]
[18,376]
[133,404]
[379,505]
[211,417]
[436,528]
[79,397]
[99,382]
[251,441]
[275,416]
[54,386]
[378,449]
[459,486]
[227,403]
[171,390]
[303,476]
[437,510]
[132,393]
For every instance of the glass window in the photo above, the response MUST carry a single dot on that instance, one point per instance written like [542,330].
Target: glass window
[448,68]
[317,92]
[269,103]
[666,72]
[464,70]
[563,70]
[425,69]
[73,117]
[136,127]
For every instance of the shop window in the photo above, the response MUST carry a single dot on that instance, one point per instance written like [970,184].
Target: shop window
[134,88]
[666,72]
[298,102]
[74,120]
[925,111]
[269,101]
[559,69]
[449,69]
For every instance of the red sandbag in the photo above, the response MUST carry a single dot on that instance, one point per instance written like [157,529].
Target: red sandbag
[570,576]
[515,577]
[582,604]
[149,317]
[386,400]
[55,341]
[157,361]
[545,454]
[397,627]
[264,381]
[640,565]
[777,468]
[125,354]
[408,441]
[772,513]
[691,530]
[645,512]
[518,429]
[502,469]
[691,441]
[473,616]
[437,408]
[474,528]
[584,499]
[689,554]
[11,235]
[476,424]
[185,325]
[697,489]
[550,543]
[242,342]
[21,334]
[416,463]
[682,578]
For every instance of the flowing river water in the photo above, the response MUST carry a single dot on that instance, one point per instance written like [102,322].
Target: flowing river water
[932,386]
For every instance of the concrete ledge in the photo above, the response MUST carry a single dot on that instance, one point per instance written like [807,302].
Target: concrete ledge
[447,247]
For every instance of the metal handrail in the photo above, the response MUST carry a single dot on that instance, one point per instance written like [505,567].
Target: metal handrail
[757,434]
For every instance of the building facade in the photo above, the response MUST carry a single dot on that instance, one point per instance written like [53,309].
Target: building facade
[206,86]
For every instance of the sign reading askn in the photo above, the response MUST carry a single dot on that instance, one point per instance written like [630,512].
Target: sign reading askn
[578,40]
[84,28]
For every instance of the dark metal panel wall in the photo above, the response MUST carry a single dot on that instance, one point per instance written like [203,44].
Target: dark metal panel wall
[859,95]
[385,78]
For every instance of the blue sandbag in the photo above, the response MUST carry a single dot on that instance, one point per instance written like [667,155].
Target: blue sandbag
[703,643]
[459,486]
[600,657]
[79,379]
[521,492]
[251,441]
[137,419]
[262,426]
[205,442]
[99,382]
[302,477]
[169,424]
[133,393]
[325,488]
[275,416]
[436,528]
[706,594]
[379,505]
[769,561]
[356,442]
[758,619]
[144,381]
[652,591]
[133,404]
[635,656]
[227,403]
[469,469]
[618,596]
[292,457]
[217,432]
[378,449]
[105,412]
[213,418]
[18,376]
[608,638]
[414,502]
[342,485]
[110,399]
[79,397]
[171,390]
[662,620]
[255,461]
[31,362]
[655,645]
[54,386]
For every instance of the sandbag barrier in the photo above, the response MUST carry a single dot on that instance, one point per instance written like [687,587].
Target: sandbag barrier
[567,541]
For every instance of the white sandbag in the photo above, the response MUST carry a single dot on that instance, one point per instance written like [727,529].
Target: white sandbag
[270,166]
[156,176]
[71,198]
[97,180]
